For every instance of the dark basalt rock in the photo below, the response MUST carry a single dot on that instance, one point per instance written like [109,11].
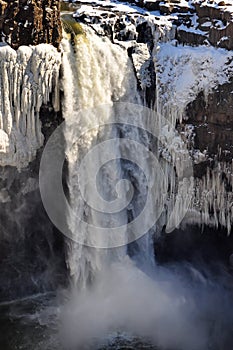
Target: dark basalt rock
[217,34]
[32,254]
[185,37]
[33,22]
[213,122]
[212,118]
[199,246]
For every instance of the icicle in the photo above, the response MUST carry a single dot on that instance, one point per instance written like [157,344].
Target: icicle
[29,76]
[212,199]
[181,74]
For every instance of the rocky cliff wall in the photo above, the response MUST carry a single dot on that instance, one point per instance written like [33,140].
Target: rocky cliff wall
[26,22]
[31,249]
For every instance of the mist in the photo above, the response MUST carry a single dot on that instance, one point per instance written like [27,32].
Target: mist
[176,308]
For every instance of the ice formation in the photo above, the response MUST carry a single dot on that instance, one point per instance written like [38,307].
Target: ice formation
[28,77]
[182,73]
[98,72]
[213,198]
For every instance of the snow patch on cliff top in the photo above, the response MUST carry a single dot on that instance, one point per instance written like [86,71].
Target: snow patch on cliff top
[185,71]
[220,4]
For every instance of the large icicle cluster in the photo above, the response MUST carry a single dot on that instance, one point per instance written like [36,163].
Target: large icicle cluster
[213,200]
[28,77]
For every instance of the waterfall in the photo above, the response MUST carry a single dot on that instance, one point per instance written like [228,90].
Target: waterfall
[119,167]
[98,72]
[127,177]
[95,72]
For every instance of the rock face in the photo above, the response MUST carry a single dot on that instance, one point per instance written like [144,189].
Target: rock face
[24,22]
[197,22]
[31,250]
[209,23]
[191,23]
[213,122]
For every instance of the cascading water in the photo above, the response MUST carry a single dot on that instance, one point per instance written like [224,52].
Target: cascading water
[98,72]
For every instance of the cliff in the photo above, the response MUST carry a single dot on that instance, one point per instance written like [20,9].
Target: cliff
[176,43]
[24,22]
[31,250]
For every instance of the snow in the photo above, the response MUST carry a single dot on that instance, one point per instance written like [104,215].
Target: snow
[191,30]
[207,24]
[185,71]
[214,3]
[115,6]
[141,60]
[219,24]
[182,72]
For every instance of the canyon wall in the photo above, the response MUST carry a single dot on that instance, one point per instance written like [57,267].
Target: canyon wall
[31,249]
[24,22]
